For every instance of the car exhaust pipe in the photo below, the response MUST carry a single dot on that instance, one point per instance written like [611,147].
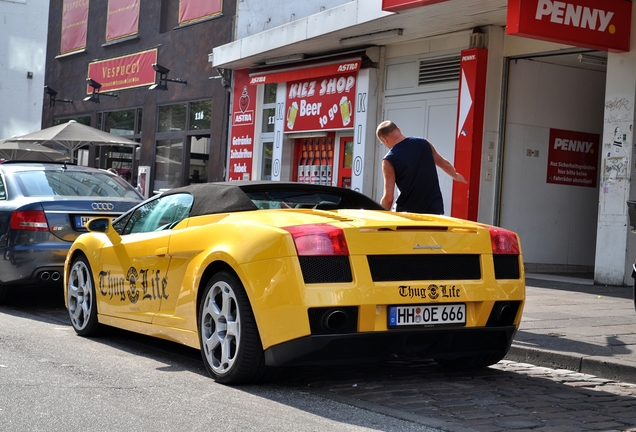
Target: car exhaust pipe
[55,276]
[335,320]
[45,276]
[504,314]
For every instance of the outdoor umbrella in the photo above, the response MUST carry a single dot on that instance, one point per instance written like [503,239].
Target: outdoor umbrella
[12,150]
[72,136]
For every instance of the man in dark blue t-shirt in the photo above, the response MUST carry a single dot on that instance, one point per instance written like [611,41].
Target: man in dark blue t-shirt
[410,164]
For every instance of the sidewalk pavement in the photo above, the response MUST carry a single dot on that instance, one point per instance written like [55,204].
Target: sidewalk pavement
[573,324]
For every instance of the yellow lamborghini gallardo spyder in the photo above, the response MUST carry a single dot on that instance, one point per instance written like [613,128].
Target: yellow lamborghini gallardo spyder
[261,275]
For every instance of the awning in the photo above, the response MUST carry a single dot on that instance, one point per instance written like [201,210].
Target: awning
[308,70]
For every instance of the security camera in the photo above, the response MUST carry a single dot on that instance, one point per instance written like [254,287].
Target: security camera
[162,70]
[93,83]
[49,91]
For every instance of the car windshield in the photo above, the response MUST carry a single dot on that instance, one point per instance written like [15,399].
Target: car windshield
[301,199]
[73,184]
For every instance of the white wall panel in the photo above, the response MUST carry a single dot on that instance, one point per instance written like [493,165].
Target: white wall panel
[23,32]
[556,223]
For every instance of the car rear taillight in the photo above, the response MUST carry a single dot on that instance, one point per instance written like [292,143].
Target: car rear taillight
[318,240]
[30,220]
[503,242]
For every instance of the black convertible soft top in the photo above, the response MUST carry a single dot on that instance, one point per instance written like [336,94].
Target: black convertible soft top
[229,197]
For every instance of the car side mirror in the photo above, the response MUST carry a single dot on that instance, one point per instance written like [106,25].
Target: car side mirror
[98,225]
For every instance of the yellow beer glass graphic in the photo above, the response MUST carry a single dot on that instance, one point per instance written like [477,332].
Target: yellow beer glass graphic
[292,112]
[345,110]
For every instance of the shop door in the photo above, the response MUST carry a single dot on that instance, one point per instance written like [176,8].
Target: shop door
[429,115]
[345,162]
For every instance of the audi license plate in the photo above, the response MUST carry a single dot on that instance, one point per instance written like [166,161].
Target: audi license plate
[80,221]
[427,315]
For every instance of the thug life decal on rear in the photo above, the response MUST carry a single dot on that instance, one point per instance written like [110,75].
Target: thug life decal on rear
[151,285]
[432,291]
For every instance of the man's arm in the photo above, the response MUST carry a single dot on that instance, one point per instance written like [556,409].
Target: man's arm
[446,166]
[389,184]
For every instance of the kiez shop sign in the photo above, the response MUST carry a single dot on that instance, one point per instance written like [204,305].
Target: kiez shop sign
[326,103]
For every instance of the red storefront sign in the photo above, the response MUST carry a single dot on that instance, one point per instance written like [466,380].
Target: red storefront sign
[323,104]
[470,128]
[573,158]
[400,5]
[193,10]
[602,25]
[315,71]
[74,25]
[123,19]
[242,133]
[134,70]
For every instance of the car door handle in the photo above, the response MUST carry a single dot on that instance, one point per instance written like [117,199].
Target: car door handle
[162,251]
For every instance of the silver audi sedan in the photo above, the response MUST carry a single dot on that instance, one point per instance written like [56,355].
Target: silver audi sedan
[43,209]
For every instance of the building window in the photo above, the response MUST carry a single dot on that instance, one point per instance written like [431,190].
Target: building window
[183,144]
[172,118]
[267,130]
[200,113]
[124,159]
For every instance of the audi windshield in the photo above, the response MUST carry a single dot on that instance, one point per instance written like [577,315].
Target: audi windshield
[73,184]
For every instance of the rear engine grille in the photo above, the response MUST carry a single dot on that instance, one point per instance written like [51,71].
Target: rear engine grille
[424,267]
[506,266]
[325,269]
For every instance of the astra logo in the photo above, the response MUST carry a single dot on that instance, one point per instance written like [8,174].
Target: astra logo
[575,15]
[573,145]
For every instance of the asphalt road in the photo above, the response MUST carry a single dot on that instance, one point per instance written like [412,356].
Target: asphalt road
[51,379]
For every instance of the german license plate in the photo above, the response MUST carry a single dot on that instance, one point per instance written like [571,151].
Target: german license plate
[80,221]
[427,315]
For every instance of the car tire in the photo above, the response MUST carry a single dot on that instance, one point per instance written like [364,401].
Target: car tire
[470,362]
[230,343]
[81,296]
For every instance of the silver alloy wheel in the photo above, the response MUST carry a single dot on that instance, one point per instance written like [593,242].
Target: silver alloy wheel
[80,295]
[220,327]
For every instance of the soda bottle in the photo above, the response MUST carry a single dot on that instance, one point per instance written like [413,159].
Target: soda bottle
[329,161]
[315,167]
[323,163]
[302,163]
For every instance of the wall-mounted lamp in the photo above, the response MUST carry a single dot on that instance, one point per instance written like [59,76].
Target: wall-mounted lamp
[94,97]
[225,75]
[592,60]
[162,75]
[53,96]
[371,37]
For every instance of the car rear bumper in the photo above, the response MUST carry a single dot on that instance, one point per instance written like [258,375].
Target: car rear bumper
[375,346]
[42,262]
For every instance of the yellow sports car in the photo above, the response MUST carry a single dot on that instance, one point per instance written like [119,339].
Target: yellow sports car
[260,275]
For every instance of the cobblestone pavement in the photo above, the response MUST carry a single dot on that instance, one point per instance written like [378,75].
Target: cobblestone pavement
[507,396]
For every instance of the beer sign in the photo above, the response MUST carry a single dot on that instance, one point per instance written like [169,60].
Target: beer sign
[325,103]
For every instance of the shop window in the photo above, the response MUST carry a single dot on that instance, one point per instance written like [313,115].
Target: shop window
[124,159]
[269,108]
[199,156]
[86,120]
[172,118]
[183,144]
[266,160]
[200,114]
[120,122]
[168,161]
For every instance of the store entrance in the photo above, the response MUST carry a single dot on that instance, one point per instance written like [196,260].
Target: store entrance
[554,212]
